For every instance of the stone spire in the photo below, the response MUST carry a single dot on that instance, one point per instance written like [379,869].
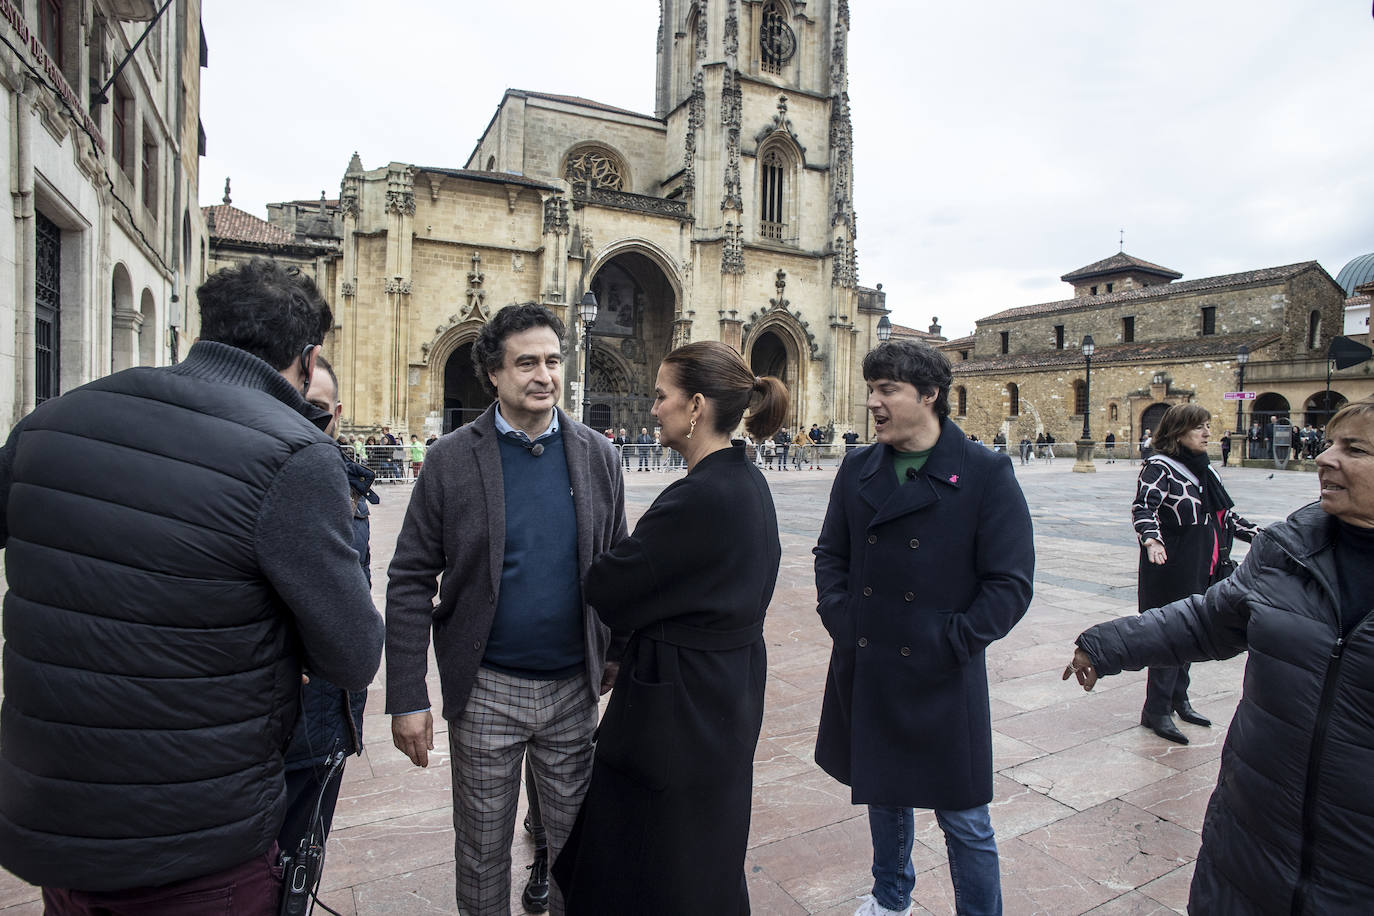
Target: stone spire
[227,199]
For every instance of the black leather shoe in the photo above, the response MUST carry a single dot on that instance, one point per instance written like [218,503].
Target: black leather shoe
[1187,713]
[535,899]
[1164,727]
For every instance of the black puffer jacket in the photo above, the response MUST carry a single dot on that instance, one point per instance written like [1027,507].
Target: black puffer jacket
[1290,826]
[174,539]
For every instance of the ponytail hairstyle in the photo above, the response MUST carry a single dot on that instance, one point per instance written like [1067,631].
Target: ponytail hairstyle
[718,373]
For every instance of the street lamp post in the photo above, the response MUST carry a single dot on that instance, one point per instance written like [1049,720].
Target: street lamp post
[1242,357]
[1084,464]
[586,310]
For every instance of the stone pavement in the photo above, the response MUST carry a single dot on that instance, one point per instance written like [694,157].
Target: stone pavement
[1093,813]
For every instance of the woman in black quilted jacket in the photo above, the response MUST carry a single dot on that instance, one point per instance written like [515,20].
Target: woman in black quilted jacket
[1290,826]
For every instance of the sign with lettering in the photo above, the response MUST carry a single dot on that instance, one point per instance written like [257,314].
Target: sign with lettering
[1239,396]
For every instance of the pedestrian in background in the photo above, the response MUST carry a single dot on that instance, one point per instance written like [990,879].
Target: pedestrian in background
[1110,444]
[1184,519]
[330,727]
[665,824]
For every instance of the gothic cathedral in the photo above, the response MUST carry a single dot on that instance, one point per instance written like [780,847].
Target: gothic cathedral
[726,215]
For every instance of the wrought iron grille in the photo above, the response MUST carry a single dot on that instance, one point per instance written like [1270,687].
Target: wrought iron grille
[48,306]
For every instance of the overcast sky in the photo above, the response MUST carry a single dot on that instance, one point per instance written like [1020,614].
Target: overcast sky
[998,144]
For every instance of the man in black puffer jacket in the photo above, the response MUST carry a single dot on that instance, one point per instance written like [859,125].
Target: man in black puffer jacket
[178,547]
[1290,825]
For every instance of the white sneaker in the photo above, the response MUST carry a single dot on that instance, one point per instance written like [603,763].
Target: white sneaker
[871,907]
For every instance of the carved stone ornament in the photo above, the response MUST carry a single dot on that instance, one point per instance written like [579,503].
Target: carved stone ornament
[696,119]
[556,215]
[594,168]
[780,283]
[348,289]
[701,30]
[781,124]
[399,286]
[732,251]
[348,198]
[477,297]
[400,202]
[732,29]
[731,110]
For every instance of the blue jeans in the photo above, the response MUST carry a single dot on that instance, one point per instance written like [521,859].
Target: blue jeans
[972,858]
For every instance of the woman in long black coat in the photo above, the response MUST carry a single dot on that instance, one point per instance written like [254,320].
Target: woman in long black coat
[665,823]
[1183,517]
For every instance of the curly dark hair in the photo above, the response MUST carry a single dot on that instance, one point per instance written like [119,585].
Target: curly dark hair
[266,308]
[916,363]
[489,349]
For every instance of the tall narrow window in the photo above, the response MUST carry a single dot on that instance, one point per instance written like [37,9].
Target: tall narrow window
[1209,319]
[1314,330]
[1080,398]
[1128,329]
[48,305]
[1059,337]
[1109,287]
[962,398]
[149,169]
[1006,341]
[1013,400]
[777,43]
[771,195]
[123,142]
[50,28]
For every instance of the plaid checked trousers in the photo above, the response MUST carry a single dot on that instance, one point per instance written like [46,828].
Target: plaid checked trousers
[505,718]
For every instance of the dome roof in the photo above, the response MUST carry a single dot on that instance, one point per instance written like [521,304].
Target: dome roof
[1357,273]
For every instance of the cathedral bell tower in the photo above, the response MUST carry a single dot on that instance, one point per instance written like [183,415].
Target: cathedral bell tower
[755,94]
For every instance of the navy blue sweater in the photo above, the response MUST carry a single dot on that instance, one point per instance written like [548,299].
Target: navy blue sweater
[538,627]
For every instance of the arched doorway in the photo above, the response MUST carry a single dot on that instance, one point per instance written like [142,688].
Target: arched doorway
[1321,407]
[464,397]
[1268,408]
[1151,417]
[774,351]
[636,304]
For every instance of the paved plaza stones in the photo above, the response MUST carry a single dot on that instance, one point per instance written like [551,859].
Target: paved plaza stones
[1094,814]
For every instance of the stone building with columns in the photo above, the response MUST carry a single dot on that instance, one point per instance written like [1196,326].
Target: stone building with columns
[102,245]
[726,214]
[1158,340]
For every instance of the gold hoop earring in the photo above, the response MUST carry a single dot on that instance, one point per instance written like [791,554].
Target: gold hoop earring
[693,428]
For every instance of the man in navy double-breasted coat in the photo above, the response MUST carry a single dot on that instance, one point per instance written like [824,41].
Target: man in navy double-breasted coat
[924,559]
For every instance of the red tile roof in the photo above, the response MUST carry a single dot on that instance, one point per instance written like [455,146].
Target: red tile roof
[1119,263]
[901,330]
[235,225]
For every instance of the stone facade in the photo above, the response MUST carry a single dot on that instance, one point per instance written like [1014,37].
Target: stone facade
[726,215]
[102,246]
[1021,372]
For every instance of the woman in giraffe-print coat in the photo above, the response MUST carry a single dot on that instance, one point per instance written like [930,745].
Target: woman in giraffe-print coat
[1186,525]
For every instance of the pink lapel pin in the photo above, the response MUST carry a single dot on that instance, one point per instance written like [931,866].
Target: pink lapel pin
[953,478]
